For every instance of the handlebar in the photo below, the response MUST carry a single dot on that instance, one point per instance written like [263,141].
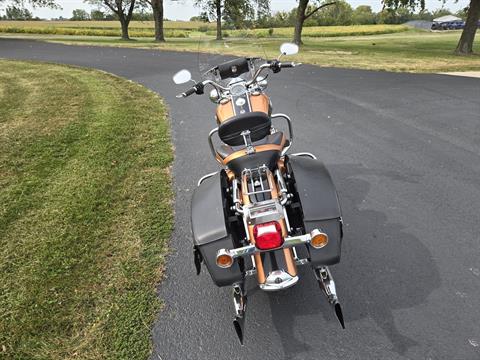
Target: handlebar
[189,92]
[274,65]
[198,88]
[288,65]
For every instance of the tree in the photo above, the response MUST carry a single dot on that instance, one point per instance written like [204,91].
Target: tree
[203,17]
[363,15]
[238,15]
[142,16]
[157,8]
[462,13]
[302,15]
[339,14]
[233,9]
[17,13]
[79,15]
[214,10]
[440,12]
[424,15]
[241,14]
[465,44]
[387,16]
[34,3]
[122,8]
[97,15]
[17,8]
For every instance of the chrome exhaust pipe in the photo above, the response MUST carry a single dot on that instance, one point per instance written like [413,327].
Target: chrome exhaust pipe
[327,284]
[240,304]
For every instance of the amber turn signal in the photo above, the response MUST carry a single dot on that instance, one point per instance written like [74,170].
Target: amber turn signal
[224,259]
[319,239]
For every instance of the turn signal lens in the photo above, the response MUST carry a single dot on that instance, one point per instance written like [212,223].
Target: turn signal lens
[319,239]
[268,236]
[224,259]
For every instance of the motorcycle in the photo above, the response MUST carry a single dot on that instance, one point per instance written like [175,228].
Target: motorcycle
[266,211]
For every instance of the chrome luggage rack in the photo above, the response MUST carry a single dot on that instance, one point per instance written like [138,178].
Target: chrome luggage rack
[256,177]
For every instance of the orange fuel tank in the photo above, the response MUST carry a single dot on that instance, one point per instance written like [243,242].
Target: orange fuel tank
[258,102]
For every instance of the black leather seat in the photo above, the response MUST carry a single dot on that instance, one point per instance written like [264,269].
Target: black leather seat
[226,150]
[258,123]
[267,153]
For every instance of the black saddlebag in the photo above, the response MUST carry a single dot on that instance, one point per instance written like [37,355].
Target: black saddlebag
[319,204]
[210,230]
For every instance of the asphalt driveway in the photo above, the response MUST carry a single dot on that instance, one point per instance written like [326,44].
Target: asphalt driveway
[404,152]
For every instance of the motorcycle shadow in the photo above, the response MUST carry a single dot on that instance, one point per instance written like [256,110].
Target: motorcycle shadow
[383,269]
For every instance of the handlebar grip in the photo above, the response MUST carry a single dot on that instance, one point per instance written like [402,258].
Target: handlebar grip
[189,92]
[287,65]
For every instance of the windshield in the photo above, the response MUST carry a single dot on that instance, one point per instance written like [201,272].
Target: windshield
[212,53]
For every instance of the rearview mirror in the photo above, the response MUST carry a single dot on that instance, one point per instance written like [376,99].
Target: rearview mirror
[289,49]
[182,77]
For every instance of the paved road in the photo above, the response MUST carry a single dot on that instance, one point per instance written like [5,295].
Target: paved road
[404,151]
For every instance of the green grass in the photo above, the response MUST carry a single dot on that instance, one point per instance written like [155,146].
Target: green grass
[85,212]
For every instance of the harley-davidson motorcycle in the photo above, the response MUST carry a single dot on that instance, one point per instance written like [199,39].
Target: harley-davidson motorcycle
[267,211]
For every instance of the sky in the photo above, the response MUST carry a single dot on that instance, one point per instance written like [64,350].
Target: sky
[184,9]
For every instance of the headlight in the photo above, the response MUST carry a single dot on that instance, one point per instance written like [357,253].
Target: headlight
[214,95]
[262,82]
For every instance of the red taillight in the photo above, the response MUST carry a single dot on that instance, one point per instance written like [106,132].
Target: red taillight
[268,236]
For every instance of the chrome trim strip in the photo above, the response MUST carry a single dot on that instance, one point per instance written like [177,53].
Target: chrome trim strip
[310,155]
[237,206]
[302,261]
[324,276]
[283,189]
[252,249]
[263,211]
[251,272]
[210,142]
[290,130]
[205,177]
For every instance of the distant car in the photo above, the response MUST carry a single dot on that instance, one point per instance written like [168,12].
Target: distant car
[448,25]
[439,26]
[456,25]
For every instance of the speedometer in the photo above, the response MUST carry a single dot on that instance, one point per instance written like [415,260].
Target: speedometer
[237,89]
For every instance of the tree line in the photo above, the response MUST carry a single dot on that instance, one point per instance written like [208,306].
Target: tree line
[14,12]
[256,13]
[341,14]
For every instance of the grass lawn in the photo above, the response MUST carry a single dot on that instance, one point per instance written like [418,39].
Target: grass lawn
[85,212]
[410,51]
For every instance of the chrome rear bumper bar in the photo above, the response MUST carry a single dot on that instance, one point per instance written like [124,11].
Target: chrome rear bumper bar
[252,249]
